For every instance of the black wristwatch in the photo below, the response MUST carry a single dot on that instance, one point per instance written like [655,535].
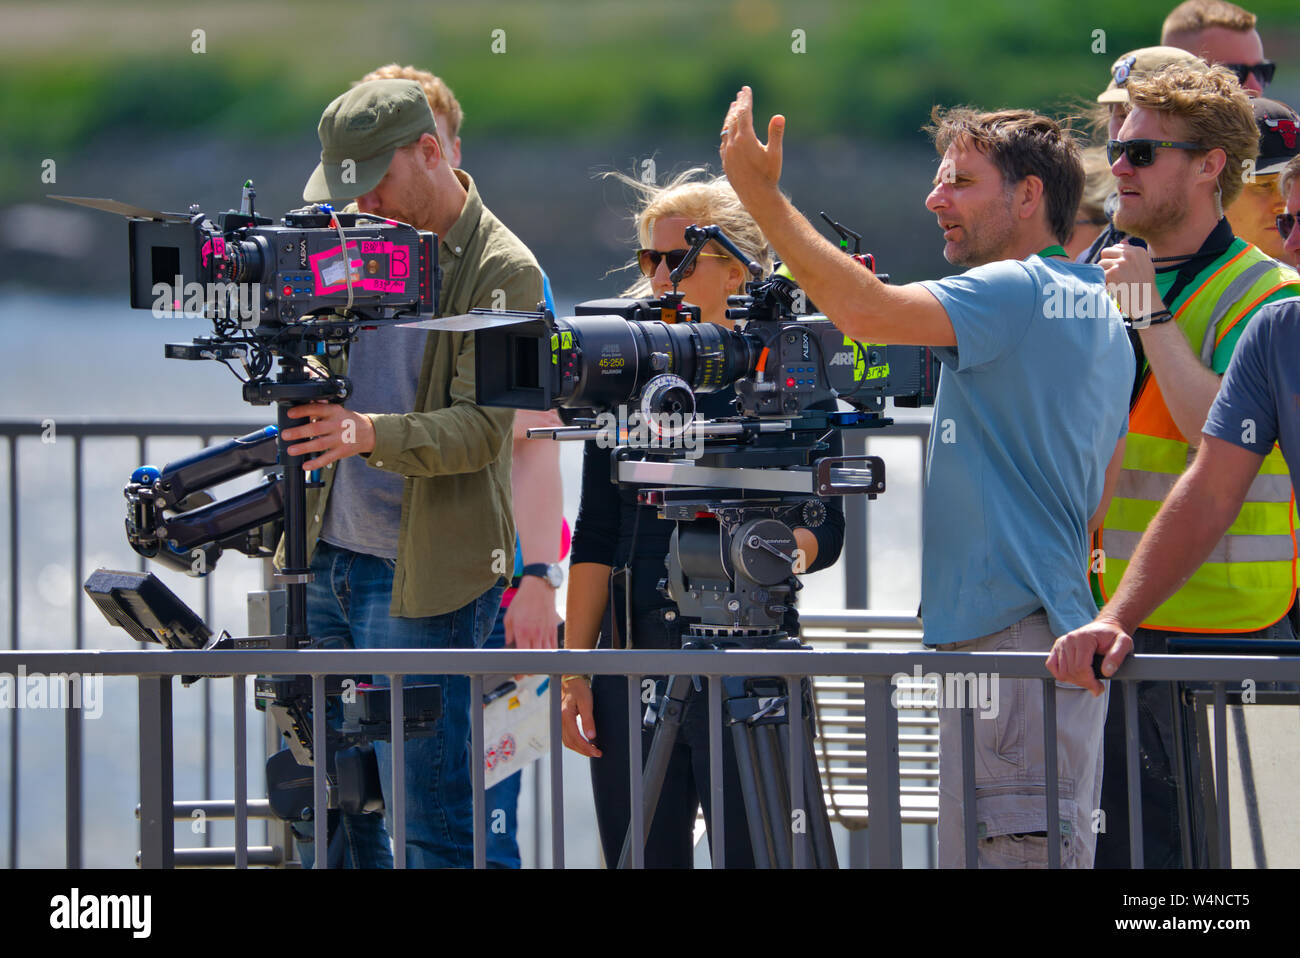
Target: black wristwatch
[552,574]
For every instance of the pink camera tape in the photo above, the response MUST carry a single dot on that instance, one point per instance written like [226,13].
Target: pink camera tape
[398,266]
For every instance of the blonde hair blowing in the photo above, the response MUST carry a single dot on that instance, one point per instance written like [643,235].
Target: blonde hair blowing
[704,199]
[1214,109]
[441,100]
[1098,184]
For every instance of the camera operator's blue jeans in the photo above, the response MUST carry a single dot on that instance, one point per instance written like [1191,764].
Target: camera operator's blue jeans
[347,606]
[502,846]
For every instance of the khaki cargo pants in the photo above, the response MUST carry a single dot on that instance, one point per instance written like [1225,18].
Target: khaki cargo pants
[1010,768]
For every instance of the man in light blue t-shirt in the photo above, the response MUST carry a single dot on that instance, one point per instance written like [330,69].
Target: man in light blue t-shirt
[1027,440]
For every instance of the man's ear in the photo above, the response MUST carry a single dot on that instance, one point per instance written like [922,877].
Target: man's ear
[1029,196]
[1212,163]
[429,149]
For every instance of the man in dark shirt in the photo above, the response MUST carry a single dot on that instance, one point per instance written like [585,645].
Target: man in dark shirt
[1258,405]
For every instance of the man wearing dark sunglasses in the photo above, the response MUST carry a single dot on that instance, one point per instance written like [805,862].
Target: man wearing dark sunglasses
[1180,158]
[1221,33]
[1289,186]
[1031,409]
[1115,98]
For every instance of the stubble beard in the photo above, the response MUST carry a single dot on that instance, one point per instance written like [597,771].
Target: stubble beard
[416,215]
[988,243]
[1165,217]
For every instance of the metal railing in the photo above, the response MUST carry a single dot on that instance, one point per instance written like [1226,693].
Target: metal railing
[21,433]
[154,671]
[50,432]
[864,721]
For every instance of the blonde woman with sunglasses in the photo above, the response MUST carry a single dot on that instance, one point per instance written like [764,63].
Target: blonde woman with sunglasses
[619,549]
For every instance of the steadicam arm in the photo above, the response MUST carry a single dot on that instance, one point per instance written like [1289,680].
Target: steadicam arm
[173,520]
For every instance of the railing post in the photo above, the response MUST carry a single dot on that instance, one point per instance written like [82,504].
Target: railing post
[969,811]
[157,836]
[397,726]
[717,798]
[14,567]
[1221,774]
[635,762]
[794,741]
[1053,781]
[319,761]
[557,773]
[884,806]
[1133,769]
[239,707]
[72,724]
[478,777]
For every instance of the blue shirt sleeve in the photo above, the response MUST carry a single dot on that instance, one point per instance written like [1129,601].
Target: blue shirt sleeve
[990,308]
[1245,411]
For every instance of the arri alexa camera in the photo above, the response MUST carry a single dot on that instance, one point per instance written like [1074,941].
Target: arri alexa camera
[625,372]
[276,296]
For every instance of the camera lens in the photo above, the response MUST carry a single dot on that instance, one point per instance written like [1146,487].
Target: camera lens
[247,260]
[620,357]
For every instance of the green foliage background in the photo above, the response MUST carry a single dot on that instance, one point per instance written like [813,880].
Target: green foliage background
[553,92]
[72,72]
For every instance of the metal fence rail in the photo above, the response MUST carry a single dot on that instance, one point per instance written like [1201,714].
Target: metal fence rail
[154,671]
[24,434]
[77,431]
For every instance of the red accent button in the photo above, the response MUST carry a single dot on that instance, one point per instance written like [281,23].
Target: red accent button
[790,383]
[288,291]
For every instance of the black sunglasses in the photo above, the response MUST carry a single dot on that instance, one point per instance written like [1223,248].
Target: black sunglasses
[648,260]
[1264,70]
[1285,224]
[1143,152]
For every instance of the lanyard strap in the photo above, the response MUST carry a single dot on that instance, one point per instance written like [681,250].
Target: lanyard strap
[1056,250]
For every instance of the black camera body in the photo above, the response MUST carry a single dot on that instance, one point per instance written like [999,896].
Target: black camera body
[244,269]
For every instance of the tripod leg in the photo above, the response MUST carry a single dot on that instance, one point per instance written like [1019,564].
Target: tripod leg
[823,844]
[760,836]
[776,788]
[656,764]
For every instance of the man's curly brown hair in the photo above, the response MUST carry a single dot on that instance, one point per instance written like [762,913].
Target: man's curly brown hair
[1214,110]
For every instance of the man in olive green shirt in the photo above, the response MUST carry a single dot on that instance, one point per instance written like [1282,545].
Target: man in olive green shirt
[412,530]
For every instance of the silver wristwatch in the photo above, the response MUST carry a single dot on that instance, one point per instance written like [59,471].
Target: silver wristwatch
[553,573]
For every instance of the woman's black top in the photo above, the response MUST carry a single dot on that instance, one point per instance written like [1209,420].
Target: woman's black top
[609,516]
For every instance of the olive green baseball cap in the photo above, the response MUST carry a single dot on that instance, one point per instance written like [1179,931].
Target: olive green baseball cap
[359,133]
[1145,60]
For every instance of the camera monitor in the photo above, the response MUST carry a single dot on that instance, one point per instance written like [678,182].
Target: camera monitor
[147,609]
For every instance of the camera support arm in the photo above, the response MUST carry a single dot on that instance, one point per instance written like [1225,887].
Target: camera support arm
[698,236]
[172,519]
